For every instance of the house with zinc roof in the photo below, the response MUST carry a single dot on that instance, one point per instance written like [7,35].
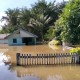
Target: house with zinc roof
[18,37]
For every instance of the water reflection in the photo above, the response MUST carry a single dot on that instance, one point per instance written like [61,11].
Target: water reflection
[30,78]
[60,49]
[56,77]
[55,72]
[65,72]
[4,59]
[6,74]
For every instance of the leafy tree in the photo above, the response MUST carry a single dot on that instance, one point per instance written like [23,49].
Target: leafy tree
[54,33]
[43,16]
[60,6]
[24,18]
[49,35]
[68,25]
[11,19]
[37,20]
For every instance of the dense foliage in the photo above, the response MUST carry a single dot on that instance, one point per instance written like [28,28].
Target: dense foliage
[75,50]
[67,27]
[38,20]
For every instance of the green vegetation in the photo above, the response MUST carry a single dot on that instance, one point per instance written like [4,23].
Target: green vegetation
[38,20]
[67,27]
[56,42]
[75,50]
[48,21]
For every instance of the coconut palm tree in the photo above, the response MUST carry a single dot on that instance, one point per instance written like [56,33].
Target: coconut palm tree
[11,19]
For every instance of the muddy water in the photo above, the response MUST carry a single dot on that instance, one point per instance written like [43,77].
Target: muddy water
[13,72]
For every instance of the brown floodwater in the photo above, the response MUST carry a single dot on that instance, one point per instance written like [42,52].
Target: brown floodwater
[51,72]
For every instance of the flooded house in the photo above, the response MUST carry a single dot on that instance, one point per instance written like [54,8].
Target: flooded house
[3,38]
[19,37]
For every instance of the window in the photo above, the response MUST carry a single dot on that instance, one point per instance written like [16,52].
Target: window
[14,40]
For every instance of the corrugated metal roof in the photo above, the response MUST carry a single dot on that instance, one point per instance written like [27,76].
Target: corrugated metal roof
[22,33]
[3,36]
[27,34]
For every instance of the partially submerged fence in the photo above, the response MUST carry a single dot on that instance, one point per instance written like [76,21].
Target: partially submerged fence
[47,59]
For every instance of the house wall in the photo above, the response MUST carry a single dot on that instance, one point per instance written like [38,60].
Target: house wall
[19,41]
[3,41]
[18,36]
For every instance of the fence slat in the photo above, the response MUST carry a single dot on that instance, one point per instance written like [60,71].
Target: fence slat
[46,59]
[18,58]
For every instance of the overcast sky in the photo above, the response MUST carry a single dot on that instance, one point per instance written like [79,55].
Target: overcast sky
[5,4]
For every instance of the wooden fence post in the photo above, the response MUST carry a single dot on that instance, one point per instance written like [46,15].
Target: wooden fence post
[37,59]
[51,59]
[40,59]
[18,59]
[27,59]
[77,58]
[47,59]
[72,59]
[44,59]
[24,59]
[30,59]
[22,56]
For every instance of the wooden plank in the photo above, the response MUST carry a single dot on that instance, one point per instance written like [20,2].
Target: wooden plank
[24,59]
[45,59]
[18,59]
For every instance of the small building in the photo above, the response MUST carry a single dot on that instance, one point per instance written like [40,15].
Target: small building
[3,38]
[20,37]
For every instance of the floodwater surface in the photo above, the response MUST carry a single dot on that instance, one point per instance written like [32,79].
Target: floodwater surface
[9,71]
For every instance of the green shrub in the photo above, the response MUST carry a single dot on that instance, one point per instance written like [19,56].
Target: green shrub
[75,50]
[56,42]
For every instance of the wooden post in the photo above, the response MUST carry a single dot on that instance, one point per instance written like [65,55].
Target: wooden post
[51,59]
[42,58]
[60,58]
[54,57]
[37,59]
[63,58]
[66,58]
[18,59]
[24,59]
[79,59]
[30,59]
[27,59]
[47,59]
[72,59]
